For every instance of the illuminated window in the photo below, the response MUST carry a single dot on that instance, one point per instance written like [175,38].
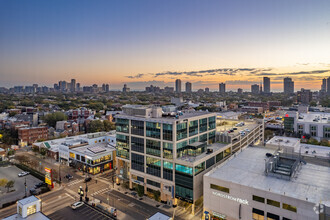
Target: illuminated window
[220,188]
[95,142]
[257,214]
[289,207]
[72,155]
[31,209]
[20,210]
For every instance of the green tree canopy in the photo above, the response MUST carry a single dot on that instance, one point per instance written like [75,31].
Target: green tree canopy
[52,118]
[9,184]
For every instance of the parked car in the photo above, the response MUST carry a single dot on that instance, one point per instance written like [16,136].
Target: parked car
[87,179]
[76,205]
[41,184]
[24,173]
[35,191]
[234,128]
[269,155]
[68,176]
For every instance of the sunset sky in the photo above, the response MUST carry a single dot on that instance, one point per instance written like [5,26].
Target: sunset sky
[145,42]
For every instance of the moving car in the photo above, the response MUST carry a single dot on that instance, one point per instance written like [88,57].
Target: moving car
[87,179]
[24,173]
[68,176]
[76,205]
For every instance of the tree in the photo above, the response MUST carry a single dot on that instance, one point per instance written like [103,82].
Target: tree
[52,118]
[43,151]
[157,195]
[313,141]
[97,115]
[312,103]
[3,182]
[95,126]
[9,184]
[140,190]
[108,125]
[96,106]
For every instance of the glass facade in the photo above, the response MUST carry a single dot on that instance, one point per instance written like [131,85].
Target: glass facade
[203,138]
[153,129]
[288,124]
[167,170]
[167,150]
[202,125]
[153,183]
[193,128]
[199,168]
[211,137]
[210,162]
[219,157]
[184,182]
[137,162]
[137,144]
[227,152]
[122,125]
[180,148]
[212,123]
[137,127]
[154,166]
[153,147]
[181,131]
[122,146]
[168,132]
[193,140]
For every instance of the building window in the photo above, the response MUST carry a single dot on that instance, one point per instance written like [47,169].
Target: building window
[167,150]
[258,199]
[179,148]
[20,210]
[209,162]
[137,144]
[153,183]
[193,128]
[181,131]
[31,209]
[219,157]
[227,152]
[203,138]
[153,129]
[137,162]
[202,125]
[211,137]
[72,155]
[199,168]
[77,157]
[212,123]
[167,170]
[153,147]
[122,125]
[137,127]
[219,188]
[168,132]
[313,130]
[258,214]
[193,140]
[326,132]
[273,203]
[122,146]
[184,169]
[289,207]
[271,216]
[286,218]
[83,159]
[300,129]
[154,166]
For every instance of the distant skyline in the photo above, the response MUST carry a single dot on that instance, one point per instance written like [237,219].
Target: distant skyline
[155,42]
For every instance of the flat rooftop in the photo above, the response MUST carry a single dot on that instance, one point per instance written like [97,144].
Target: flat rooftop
[93,150]
[28,200]
[314,150]
[167,119]
[284,141]
[247,169]
[215,147]
[35,216]
[319,117]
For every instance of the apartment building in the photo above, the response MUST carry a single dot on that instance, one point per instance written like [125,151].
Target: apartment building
[29,135]
[171,152]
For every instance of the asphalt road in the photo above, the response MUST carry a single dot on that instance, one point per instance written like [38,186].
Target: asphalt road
[10,173]
[81,213]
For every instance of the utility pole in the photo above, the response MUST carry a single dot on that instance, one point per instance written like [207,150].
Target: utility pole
[25,186]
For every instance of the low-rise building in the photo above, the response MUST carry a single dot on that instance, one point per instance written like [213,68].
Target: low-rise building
[29,135]
[254,186]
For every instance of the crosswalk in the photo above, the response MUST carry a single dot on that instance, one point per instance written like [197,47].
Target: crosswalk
[101,191]
[74,182]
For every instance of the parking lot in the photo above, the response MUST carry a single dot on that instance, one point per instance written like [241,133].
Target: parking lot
[11,173]
[83,212]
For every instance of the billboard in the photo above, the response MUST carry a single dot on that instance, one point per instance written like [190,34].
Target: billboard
[48,176]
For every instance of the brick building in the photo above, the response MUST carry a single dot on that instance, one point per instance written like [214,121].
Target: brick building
[31,135]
